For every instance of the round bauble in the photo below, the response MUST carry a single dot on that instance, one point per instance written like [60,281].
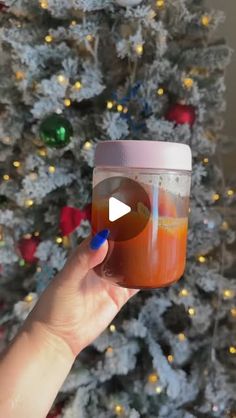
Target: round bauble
[3,7]
[181,114]
[27,248]
[55,131]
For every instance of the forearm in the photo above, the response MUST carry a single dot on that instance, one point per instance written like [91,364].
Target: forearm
[32,371]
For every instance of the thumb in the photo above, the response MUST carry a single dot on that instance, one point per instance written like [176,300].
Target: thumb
[89,254]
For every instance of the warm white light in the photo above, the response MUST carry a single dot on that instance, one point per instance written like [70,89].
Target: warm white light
[51,169]
[29,203]
[48,39]
[139,49]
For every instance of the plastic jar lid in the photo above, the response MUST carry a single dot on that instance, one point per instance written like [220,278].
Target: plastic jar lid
[144,154]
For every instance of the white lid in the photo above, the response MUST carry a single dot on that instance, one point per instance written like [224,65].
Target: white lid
[144,154]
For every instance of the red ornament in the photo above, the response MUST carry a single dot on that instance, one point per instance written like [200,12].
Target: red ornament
[27,248]
[71,218]
[2,6]
[181,114]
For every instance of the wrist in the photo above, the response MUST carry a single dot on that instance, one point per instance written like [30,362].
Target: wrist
[40,337]
[35,362]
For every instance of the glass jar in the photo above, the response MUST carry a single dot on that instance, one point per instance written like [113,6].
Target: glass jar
[141,194]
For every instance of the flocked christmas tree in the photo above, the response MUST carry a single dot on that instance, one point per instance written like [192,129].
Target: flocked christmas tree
[76,72]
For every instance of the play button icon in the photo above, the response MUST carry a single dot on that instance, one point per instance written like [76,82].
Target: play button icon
[121,205]
[117,209]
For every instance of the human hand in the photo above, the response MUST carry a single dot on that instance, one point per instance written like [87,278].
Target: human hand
[77,305]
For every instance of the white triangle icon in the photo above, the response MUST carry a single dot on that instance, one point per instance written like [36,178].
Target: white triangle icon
[117,209]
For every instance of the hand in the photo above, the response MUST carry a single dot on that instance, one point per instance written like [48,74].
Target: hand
[77,305]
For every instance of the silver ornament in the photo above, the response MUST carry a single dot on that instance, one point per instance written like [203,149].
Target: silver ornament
[128,3]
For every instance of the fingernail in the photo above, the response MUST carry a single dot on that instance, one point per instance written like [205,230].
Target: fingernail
[99,239]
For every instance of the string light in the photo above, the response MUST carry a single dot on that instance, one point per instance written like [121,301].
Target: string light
[215,408]
[188,83]
[87,145]
[44,4]
[205,20]
[6,140]
[112,328]
[228,294]
[158,389]
[48,39]
[28,298]
[160,3]
[202,259]
[73,23]
[191,311]
[78,85]
[170,358]
[230,192]
[59,240]
[139,49]
[29,203]
[27,236]
[184,292]
[22,263]
[119,108]
[16,164]
[6,177]
[224,226]
[160,91]
[67,102]
[233,312]
[33,176]
[215,196]
[61,79]
[38,269]
[181,337]
[153,378]
[36,233]
[42,152]
[51,169]
[125,110]
[119,409]
[109,104]
[89,38]
[232,349]
[205,160]
[19,75]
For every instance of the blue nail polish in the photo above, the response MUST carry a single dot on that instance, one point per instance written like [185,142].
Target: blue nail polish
[99,239]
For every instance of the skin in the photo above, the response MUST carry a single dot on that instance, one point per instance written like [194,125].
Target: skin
[74,309]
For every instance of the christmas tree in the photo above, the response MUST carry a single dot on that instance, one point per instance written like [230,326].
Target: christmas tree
[77,72]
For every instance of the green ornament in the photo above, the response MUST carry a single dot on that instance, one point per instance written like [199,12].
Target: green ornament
[55,131]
